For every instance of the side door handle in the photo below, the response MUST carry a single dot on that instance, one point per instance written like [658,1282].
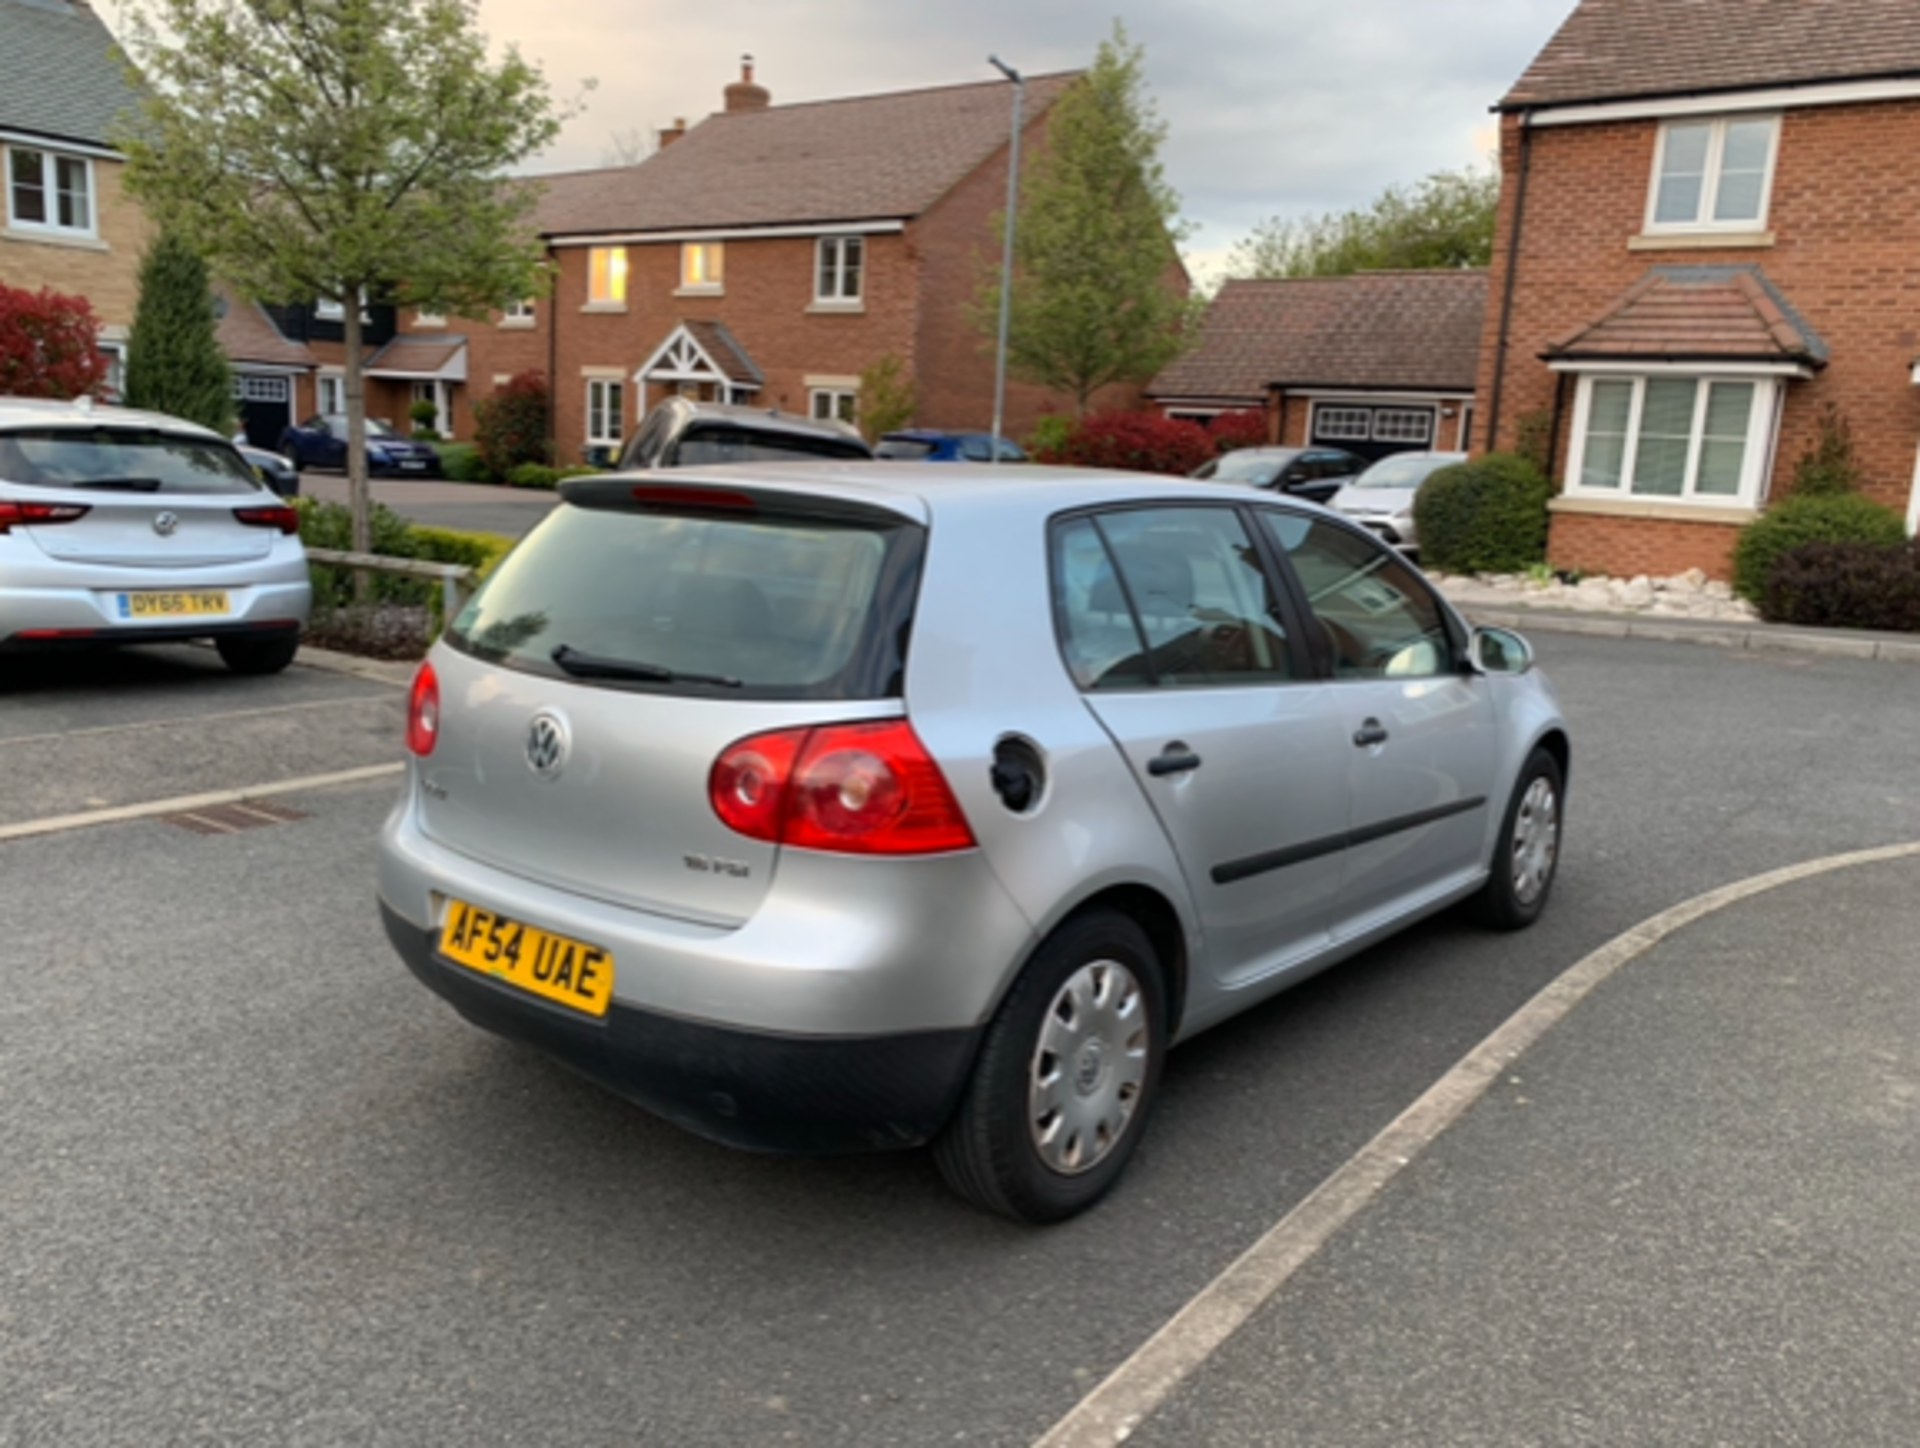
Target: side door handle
[1176,758]
[1370,733]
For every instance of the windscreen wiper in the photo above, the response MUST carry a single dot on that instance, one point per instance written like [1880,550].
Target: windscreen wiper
[119,485]
[598,666]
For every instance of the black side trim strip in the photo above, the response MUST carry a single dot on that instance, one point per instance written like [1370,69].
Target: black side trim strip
[1270,860]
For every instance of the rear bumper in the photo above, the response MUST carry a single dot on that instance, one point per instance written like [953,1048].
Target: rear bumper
[751,1089]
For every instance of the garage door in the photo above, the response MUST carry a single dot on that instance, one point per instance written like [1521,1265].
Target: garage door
[266,406]
[1371,430]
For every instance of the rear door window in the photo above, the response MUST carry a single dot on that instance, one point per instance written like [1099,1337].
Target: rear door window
[746,604]
[123,459]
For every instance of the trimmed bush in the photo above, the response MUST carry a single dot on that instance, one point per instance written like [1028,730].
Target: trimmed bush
[1845,585]
[478,551]
[1484,516]
[1829,467]
[1135,442]
[330,525]
[1244,428]
[510,427]
[460,462]
[1811,518]
[1049,436]
[533,475]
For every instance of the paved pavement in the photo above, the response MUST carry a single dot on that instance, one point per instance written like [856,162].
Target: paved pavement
[475,507]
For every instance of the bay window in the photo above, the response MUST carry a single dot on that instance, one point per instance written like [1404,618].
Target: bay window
[1673,436]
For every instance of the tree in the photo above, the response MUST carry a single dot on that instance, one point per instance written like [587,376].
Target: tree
[1444,221]
[342,150]
[1096,297]
[887,398]
[49,345]
[174,361]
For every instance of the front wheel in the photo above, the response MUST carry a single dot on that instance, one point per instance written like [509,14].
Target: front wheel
[1066,1076]
[267,654]
[1528,850]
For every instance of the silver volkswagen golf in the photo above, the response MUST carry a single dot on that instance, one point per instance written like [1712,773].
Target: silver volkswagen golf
[824,806]
[119,526]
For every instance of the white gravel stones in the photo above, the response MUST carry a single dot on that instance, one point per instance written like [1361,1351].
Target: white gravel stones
[1685,595]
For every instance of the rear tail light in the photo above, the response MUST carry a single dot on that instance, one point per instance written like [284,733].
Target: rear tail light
[423,712]
[863,789]
[24,514]
[286,519]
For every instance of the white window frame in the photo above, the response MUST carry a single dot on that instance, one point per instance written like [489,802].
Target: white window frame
[1755,461]
[613,296]
[599,413]
[330,385]
[50,157]
[826,404]
[830,256]
[703,267]
[1710,180]
[429,319]
[326,309]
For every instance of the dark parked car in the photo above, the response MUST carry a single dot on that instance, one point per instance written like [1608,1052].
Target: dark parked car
[681,433]
[275,471]
[1315,473]
[321,442]
[930,445]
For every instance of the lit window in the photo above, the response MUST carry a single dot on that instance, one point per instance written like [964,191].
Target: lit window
[49,192]
[605,421]
[837,277]
[1699,438]
[700,265]
[607,279]
[1713,175]
[833,404]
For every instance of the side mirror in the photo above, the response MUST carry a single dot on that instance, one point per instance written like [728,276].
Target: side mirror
[1499,651]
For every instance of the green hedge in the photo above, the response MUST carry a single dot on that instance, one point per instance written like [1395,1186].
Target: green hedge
[1484,516]
[460,461]
[330,525]
[1810,518]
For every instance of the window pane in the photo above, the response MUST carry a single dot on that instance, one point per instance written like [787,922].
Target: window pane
[1723,449]
[1666,426]
[76,209]
[1102,647]
[827,253]
[1377,618]
[1683,167]
[29,187]
[1604,456]
[852,256]
[608,279]
[1743,171]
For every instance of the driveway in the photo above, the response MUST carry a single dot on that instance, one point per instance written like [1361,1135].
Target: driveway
[472,507]
[262,1188]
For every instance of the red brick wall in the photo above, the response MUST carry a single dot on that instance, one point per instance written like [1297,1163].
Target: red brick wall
[1846,254]
[1629,547]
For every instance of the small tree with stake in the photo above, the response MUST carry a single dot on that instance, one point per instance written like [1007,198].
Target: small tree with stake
[345,150]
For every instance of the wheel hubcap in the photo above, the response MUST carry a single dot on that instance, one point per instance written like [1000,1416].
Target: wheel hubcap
[1089,1067]
[1536,840]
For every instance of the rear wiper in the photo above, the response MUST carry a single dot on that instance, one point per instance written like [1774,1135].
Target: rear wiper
[120,485]
[598,666]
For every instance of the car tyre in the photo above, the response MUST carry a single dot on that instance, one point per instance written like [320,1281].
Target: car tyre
[1066,1076]
[268,654]
[1528,853]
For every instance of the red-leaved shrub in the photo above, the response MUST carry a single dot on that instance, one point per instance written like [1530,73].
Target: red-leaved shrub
[1134,442]
[1845,585]
[49,345]
[510,427]
[1246,427]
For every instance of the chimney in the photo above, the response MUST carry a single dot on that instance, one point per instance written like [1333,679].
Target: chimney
[672,133]
[743,94]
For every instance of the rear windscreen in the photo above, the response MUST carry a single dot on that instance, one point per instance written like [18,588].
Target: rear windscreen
[709,445]
[127,459]
[746,604]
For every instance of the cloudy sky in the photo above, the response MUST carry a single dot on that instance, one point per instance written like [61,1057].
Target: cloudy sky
[1274,107]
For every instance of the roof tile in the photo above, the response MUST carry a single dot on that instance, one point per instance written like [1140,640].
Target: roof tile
[1697,313]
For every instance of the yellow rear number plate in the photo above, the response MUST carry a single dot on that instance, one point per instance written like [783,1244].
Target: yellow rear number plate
[173,605]
[568,971]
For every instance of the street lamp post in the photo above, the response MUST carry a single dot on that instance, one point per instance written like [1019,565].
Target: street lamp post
[1006,256]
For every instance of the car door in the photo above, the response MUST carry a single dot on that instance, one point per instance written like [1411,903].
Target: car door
[1175,634]
[1420,730]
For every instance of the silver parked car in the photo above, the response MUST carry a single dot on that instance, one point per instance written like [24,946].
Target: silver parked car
[822,807]
[1381,498]
[118,526]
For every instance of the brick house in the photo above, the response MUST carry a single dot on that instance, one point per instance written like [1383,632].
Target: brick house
[1708,234]
[1376,363]
[66,224]
[769,254]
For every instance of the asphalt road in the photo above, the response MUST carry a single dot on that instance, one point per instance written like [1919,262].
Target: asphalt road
[473,507]
[262,1188]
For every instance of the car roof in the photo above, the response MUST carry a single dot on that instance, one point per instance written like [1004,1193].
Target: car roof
[921,494]
[85,412]
[766,419]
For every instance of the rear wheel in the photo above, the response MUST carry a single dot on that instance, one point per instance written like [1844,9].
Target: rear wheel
[1066,1076]
[266,654]
[1528,852]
